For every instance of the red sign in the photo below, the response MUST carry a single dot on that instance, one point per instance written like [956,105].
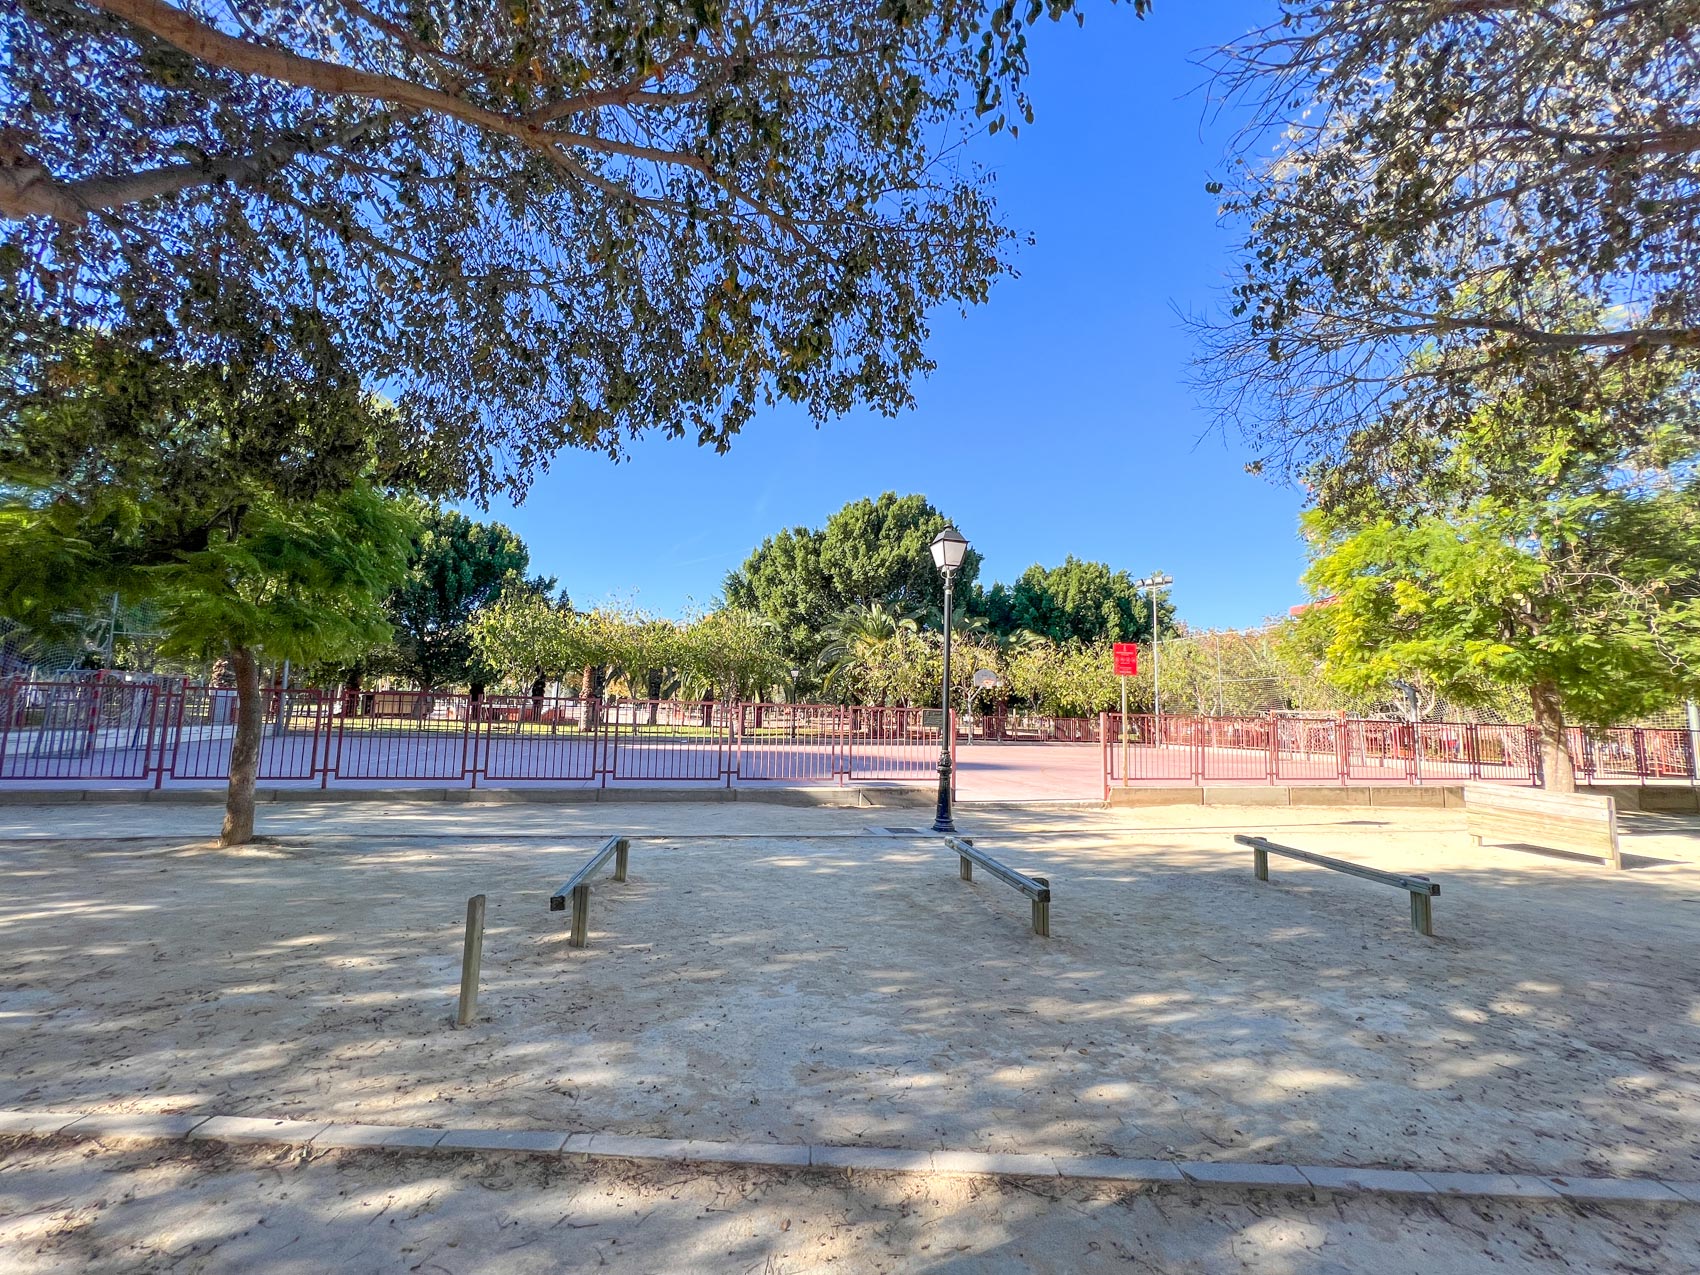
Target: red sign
[1127,659]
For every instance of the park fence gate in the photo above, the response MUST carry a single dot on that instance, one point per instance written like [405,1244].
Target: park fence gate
[111,732]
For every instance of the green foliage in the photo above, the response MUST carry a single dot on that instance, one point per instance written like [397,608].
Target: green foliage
[301,581]
[1415,178]
[870,553]
[547,226]
[1596,594]
[1079,601]
[234,503]
[1550,545]
[456,567]
[238,505]
[525,636]
[730,653]
[1071,680]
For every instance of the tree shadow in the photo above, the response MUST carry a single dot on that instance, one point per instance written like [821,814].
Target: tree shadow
[856,991]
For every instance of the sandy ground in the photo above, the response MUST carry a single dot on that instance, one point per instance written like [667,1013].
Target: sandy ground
[818,984]
[89,1209]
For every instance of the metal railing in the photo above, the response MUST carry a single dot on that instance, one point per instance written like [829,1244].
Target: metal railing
[115,732]
[108,731]
[1190,751]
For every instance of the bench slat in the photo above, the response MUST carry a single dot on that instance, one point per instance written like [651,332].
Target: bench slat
[1035,888]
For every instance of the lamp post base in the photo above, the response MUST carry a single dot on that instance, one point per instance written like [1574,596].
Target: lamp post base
[942,822]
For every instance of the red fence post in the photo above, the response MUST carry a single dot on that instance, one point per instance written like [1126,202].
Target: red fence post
[1104,750]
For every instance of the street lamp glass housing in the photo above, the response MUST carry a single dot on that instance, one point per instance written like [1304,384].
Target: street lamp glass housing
[949,549]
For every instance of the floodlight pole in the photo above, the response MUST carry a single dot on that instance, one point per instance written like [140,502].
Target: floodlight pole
[1156,580]
[942,821]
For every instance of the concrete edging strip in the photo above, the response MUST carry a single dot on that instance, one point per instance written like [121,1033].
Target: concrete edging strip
[319,1134]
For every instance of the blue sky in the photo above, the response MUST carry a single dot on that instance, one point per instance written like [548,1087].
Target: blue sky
[1060,419]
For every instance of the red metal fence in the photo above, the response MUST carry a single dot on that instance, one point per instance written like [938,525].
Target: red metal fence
[109,731]
[106,731]
[1203,750]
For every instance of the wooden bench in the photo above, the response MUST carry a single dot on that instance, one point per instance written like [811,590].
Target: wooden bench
[1038,889]
[1421,889]
[578,886]
[1577,822]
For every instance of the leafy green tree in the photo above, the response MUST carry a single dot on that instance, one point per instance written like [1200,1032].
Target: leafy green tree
[1071,680]
[526,638]
[730,653]
[1082,602]
[1550,545]
[1414,177]
[237,505]
[457,567]
[547,225]
[870,553]
[647,653]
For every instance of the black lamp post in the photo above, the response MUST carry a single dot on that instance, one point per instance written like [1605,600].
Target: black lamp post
[949,549]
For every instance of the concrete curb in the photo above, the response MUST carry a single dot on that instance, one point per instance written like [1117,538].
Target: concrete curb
[313,1135]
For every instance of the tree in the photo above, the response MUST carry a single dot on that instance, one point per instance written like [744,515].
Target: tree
[647,652]
[730,652]
[1081,602]
[232,502]
[526,637]
[1070,680]
[546,225]
[1544,547]
[870,553]
[1414,177]
[456,568]
[865,647]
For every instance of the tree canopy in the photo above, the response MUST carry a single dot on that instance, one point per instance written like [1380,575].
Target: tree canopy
[457,567]
[870,553]
[1080,601]
[538,225]
[1539,549]
[234,503]
[1415,176]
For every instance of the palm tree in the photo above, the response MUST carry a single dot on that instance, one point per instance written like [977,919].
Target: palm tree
[858,634]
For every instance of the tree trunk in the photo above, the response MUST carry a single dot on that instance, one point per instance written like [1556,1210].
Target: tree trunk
[654,693]
[244,750]
[539,685]
[1558,771]
[587,696]
[351,693]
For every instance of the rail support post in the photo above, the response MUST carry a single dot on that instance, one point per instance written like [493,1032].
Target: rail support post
[581,915]
[620,861]
[1422,914]
[472,958]
[965,867]
[1042,911]
[1260,864]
